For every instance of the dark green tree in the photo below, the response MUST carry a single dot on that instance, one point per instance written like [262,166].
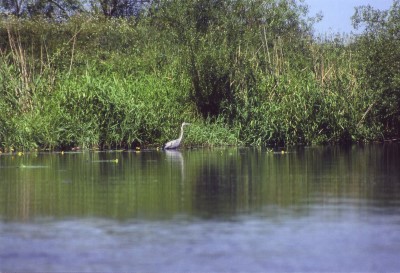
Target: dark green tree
[378,50]
[118,8]
[219,38]
[54,9]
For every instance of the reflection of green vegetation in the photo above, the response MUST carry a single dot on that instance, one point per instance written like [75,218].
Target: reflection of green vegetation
[200,183]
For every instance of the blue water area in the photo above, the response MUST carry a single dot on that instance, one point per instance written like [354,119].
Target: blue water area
[322,209]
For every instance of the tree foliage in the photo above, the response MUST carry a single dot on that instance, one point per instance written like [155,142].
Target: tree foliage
[378,49]
[57,9]
[218,38]
[62,9]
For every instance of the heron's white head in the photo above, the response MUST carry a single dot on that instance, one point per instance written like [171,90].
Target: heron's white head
[185,123]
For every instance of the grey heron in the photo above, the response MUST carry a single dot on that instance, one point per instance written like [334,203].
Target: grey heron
[173,144]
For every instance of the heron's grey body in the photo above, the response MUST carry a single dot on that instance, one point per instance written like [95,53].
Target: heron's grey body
[173,144]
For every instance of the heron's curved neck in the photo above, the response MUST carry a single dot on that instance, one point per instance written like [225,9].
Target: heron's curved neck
[181,135]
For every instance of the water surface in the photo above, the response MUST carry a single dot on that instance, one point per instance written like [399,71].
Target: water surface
[236,210]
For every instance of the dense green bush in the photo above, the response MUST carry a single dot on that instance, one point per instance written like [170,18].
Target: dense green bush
[378,50]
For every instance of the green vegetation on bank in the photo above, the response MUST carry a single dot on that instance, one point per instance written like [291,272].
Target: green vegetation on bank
[242,72]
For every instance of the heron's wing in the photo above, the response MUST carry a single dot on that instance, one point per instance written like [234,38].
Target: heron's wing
[167,145]
[172,144]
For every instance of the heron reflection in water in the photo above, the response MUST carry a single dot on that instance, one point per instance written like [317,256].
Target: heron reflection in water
[173,144]
[176,163]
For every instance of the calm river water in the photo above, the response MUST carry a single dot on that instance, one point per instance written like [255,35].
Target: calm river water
[329,209]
